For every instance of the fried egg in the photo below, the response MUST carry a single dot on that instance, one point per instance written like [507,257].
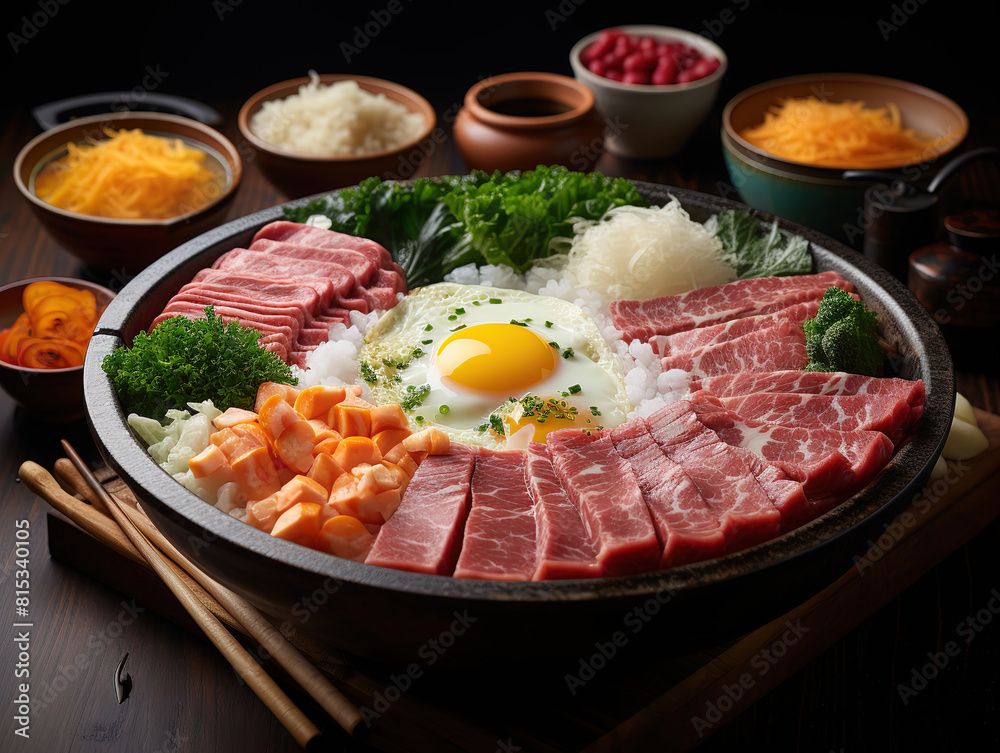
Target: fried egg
[486,364]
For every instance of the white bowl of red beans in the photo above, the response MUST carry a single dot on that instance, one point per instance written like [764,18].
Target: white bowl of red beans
[654,85]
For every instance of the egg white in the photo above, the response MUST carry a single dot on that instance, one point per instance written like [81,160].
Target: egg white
[398,359]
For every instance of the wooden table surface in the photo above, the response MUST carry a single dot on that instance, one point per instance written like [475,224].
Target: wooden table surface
[186,698]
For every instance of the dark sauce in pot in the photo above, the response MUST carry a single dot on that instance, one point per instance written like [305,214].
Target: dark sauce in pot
[528,107]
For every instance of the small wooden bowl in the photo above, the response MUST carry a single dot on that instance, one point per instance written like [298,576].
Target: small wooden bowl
[50,395]
[298,175]
[126,246]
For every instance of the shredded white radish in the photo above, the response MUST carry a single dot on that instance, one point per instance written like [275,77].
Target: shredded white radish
[646,252]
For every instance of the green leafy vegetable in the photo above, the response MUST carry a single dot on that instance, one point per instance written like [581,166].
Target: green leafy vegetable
[752,252]
[434,225]
[843,337]
[192,360]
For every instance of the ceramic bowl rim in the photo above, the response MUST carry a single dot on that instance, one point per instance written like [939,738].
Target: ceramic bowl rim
[230,154]
[290,86]
[483,113]
[762,156]
[592,79]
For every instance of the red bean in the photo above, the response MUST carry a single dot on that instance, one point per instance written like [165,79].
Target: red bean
[614,74]
[665,72]
[645,60]
[597,67]
[635,77]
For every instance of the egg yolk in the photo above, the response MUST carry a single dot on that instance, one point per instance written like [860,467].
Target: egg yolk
[546,426]
[505,359]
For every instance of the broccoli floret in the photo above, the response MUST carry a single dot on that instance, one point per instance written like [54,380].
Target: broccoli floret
[843,337]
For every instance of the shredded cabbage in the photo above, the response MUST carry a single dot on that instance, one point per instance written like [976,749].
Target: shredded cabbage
[646,252]
[173,443]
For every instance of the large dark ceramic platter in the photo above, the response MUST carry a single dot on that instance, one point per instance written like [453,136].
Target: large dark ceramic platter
[392,615]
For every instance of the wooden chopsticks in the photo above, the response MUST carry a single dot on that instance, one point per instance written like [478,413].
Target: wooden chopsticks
[140,531]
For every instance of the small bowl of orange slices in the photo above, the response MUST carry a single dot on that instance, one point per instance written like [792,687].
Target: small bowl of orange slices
[45,329]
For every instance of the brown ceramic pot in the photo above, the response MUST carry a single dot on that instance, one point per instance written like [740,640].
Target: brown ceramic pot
[518,121]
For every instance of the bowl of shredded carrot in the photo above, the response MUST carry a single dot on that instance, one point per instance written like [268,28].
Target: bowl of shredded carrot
[45,330]
[788,142]
[119,190]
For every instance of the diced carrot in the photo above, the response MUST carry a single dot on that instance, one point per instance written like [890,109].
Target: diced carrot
[304,489]
[221,436]
[326,446]
[300,523]
[401,477]
[347,498]
[263,513]
[377,478]
[387,439]
[252,431]
[431,440]
[286,474]
[207,461]
[276,415]
[316,401]
[267,389]
[351,419]
[323,430]
[256,473]
[397,454]
[232,416]
[325,470]
[347,537]
[388,416]
[353,450]
[295,446]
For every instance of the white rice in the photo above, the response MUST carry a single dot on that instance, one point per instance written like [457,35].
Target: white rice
[341,119]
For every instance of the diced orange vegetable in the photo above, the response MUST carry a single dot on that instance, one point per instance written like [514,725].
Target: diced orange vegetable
[325,471]
[352,451]
[431,440]
[399,455]
[348,498]
[347,537]
[263,513]
[267,389]
[304,489]
[295,446]
[323,430]
[351,419]
[326,446]
[388,416]
[276,415]
[256,474]
[300,523]
[316,401]
[207,461]
[377,478]
[233,416]
[386,439]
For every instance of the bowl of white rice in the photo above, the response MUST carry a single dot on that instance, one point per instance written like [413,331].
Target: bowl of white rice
[321,132]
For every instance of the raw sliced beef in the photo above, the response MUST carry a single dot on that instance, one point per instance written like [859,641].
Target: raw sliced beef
[746,514]
[642,320]
[816,382]
[692,339]
[363,266]
[424,535]
[499,541]
[564,549]
[687,528]
[885,413]
[601,485]
[830,464]
[780,346]
[263,287]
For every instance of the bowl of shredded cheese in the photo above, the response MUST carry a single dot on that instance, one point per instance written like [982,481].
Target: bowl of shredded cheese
[119,190]
[322,132]
[787,144]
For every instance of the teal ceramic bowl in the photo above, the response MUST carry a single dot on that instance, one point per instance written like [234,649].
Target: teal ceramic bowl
[820,197]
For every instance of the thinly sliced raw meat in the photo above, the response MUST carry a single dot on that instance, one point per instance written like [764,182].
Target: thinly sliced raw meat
[827,462]
[745,512]
[564,548]
[264,285]
[424,535]
[885,413]
[641,320]
[780,346]
[364,267]
[245,261]
[601,485]
[691,339]
[687,528]
[816,382]
[499,541]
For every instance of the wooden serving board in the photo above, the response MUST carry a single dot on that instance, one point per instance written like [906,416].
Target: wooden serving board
[624,704]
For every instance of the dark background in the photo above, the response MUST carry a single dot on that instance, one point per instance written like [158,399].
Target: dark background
[232,48]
